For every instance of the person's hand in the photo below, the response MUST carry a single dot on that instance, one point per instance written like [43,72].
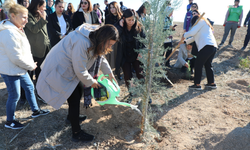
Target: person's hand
[111,78]
[186,65]
[95,85]
[42,14]
[182,40]
[245,26]
[63,36]
[121,22]
[35,66]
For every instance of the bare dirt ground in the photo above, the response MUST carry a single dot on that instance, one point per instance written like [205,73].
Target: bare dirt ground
[208,119]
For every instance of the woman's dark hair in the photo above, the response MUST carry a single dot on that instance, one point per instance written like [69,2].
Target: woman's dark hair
[195,5]
[58,1]
[90,8]
[141,9]
[33,7]
[118,10]
[196,12]
[195,18]
[129,13]
[99,38]
[72,8]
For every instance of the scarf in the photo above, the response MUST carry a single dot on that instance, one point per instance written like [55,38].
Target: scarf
[93,71]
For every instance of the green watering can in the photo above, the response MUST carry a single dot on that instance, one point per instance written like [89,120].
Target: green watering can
[109,91]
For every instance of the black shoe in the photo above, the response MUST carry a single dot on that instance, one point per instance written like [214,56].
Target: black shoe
[82,136]
[212,86]
[195,87]
[13,125]
[40,112]
[243,48]
[81,119]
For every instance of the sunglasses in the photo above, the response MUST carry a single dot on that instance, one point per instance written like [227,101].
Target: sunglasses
[85,3]
[194,6]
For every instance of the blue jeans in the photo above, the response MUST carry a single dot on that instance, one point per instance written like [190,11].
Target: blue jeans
[13,87]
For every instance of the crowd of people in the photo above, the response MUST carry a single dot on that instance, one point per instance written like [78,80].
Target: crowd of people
[61,51]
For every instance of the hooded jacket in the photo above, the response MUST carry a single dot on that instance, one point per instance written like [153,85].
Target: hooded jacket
[15,53]
[66,65]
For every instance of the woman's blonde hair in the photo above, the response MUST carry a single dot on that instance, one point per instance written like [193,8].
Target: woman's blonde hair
[10,6]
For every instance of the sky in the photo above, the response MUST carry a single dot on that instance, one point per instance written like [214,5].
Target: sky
[214,9]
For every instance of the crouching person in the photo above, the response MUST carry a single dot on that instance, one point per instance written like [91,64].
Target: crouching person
[74,60]
[185,58]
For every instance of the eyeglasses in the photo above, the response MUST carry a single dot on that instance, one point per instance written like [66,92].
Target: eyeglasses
[194,14]
[194,6]
[85,3]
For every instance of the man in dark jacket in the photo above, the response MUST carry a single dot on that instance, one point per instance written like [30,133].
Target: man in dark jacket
[247,38]
[106,11]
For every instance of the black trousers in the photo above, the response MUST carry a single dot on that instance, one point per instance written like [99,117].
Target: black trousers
[247,38]
[169,47]
[204,58]
[127,71]
[74,107]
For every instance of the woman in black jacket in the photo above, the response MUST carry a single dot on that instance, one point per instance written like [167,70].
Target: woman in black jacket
[113,17]
[129,28]
[58,24]
[84,14]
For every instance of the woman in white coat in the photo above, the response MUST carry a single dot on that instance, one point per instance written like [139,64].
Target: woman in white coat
[76,59]
[206,43]
[16,59]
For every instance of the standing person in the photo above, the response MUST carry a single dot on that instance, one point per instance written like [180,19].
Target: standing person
[36,32]
[70,11]
[206,43]
[112,18]
[95,9]
[84,14]
[50,7]
[189,15]
[247,38]
[76,60]
[129,28]
[189,5]
[168,43]
[15,60]
[106,10]
[232,22]
[98,6]
[142,11]
[123,8]
[58,24]
[25,3]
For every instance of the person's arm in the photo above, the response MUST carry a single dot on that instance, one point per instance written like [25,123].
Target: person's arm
[181,56]
[240,20]
[35,27]
[227,14]
[194,29]
[79,62]
[70,25]
[13,49]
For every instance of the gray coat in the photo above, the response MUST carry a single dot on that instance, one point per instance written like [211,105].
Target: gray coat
[66,65]
[182,56]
